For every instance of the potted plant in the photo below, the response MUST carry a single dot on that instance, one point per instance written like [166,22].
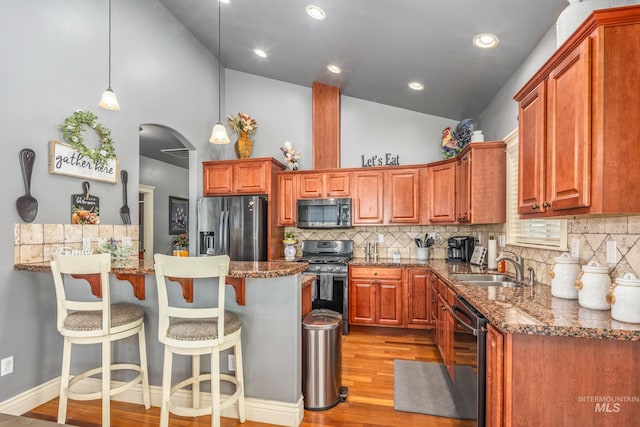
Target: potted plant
[181,245]
[289,237]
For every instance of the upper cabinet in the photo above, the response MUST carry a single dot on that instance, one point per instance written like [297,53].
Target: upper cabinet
[368,197]
[402,202]
[247,176]
[323,185]
[578,122]
[442,192]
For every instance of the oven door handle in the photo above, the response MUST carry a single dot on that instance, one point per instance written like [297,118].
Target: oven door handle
[455,310]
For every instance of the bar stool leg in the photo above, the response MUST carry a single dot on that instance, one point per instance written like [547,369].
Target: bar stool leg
[215,388]
[64,381]
[145,370]
[106,382]
[242,409]
[195,373]
[166,387]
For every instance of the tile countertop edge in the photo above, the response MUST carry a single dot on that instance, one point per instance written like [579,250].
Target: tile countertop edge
[238,269]
[516,311]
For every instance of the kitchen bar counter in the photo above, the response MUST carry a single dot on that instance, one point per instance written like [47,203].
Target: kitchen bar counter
[524,310]
[134,271]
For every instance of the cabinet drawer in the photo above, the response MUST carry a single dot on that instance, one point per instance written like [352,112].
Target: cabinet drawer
[376,272]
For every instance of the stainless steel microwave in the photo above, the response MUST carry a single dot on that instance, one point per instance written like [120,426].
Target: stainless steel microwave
[324,213]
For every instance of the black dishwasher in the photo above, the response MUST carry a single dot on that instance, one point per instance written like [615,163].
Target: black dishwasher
[469,379]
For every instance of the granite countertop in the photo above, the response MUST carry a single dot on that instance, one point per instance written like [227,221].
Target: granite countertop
[238,269]
[524,310]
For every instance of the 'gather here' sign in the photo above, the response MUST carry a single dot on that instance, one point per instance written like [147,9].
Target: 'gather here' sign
[64,160]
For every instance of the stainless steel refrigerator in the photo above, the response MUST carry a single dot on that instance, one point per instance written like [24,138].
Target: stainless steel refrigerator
[234,226]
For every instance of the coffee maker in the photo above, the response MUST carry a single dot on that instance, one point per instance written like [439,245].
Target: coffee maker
[460,248]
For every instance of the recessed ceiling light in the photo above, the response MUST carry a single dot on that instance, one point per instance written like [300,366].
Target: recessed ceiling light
[334,69]
[261,53]
[485,41]
[416,85]
[315,12]
[225,1]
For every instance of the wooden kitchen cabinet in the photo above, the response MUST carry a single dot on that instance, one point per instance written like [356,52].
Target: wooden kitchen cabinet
[481,183]
[419,303]
[442,192]
[494,377]
[578,122]
[463,187]
[287,199]
[445,324]
[368,197]
[376,296]
[246,176]
[402,201]
[323,185]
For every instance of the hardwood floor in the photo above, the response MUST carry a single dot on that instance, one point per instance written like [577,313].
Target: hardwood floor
[367,370]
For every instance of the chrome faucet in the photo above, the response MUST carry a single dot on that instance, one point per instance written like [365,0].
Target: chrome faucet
[517,262]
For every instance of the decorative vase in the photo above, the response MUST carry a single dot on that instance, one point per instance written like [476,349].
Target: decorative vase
[243,146]
[289,250]
[180,251]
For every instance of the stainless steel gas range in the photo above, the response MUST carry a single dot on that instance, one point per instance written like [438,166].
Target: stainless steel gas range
[329,260]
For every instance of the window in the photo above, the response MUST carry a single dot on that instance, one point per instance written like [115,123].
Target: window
[537,233]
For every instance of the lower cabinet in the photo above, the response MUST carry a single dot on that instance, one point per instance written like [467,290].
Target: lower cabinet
[376,296]
[495,377]
[419,298]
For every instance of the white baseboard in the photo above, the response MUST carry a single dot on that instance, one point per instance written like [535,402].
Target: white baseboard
[259,410]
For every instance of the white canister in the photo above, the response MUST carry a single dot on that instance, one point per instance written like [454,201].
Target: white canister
[624,297]
[593,285]
[564,275]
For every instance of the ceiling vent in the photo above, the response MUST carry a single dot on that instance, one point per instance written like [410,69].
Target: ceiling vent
[180,153]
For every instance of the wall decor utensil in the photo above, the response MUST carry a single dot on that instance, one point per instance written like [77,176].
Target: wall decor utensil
[27,205]
[85,208]
[125,213]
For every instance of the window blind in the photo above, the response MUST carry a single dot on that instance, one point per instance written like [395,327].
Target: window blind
[540,233]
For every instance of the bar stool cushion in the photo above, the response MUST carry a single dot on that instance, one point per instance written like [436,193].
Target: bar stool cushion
[202,329]
[121,314]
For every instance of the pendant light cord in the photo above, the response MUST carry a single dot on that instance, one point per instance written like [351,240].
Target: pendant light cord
[109,44]
[219,65]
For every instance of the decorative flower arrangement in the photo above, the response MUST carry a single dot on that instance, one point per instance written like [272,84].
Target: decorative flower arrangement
[289,237]
[181,240]
[242,123]
[291,156]
[454,141]
[111,247]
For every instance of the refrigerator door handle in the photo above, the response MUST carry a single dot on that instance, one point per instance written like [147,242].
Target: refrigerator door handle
[225,233]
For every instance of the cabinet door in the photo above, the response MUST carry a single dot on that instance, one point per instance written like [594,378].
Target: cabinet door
[531,147]
[442,190]
[569,132]
[402,201]
[495,377]
[310,186]
[362,301]
[218,179]
[251,177]
[368,197]
[419,297]
[337,184]
[441,327]
[287,199]
[463,188]
[390,298]
[433,300]
[449,352]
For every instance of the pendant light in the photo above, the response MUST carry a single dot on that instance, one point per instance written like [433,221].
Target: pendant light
[219,134]
[109,100]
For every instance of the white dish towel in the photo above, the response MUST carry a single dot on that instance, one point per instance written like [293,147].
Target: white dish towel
[326,286]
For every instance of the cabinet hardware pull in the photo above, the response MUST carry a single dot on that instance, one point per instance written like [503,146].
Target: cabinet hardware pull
[534,206]
[546,204]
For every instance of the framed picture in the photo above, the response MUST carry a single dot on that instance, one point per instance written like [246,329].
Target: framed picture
[178,215]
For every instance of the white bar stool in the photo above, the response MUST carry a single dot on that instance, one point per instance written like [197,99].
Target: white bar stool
[195,332]
[95,322]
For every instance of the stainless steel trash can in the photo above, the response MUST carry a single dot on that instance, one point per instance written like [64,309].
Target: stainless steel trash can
[322,360]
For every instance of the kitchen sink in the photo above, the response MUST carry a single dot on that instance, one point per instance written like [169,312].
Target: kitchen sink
[491,283]
[482,277]
[486,280]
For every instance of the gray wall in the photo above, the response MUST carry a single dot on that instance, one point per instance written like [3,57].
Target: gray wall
[168,180]
[54,61]
[283,112]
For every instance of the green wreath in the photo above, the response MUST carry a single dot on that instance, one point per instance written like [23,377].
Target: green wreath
[72,129]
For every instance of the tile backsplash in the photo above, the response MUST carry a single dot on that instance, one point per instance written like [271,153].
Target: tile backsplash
[592,234]
[37,242]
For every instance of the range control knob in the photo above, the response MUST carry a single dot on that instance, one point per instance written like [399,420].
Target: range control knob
[316,268]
